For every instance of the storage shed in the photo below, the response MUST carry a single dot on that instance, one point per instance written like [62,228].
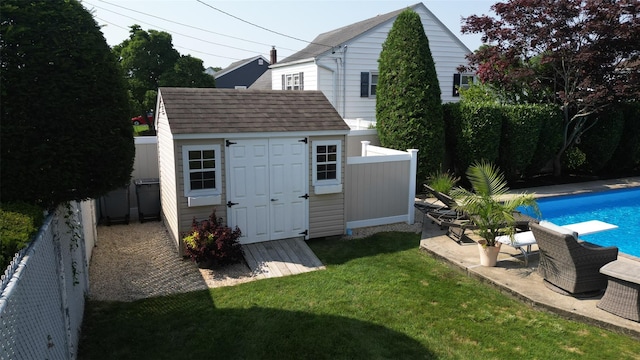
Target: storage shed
[270,162]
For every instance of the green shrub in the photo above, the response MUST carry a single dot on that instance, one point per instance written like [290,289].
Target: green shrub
[574,159]
[480,133]
[443,182]
[520,133]
[549,141]
[626,158]
[212,243]
[408,101]
[600,142]
[452,119]
[66,131]
[19,222]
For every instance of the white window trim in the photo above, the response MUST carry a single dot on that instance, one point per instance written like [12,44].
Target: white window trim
[371,75]
[332,185]
[468,84]
[292,81]
[185,169]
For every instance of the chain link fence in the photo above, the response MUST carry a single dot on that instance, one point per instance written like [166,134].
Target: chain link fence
[43,291]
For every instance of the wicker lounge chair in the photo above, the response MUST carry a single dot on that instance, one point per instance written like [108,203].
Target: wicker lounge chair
[570,266]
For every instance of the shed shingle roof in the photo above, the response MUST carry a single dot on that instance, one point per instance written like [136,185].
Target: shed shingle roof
[208,110]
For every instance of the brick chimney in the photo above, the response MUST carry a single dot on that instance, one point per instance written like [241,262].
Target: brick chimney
[274,55]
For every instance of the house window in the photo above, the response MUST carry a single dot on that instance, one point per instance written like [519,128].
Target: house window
[201,170]
[368,83]
[327,166]
[293,81]
[462,81]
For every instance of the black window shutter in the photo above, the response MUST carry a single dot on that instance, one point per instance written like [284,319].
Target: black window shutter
[301,81]
[364,84]
[283,83]
[456,84]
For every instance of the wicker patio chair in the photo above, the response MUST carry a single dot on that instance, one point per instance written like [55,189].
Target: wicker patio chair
[568,265]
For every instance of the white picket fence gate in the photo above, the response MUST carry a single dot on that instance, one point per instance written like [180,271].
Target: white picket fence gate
[43,291]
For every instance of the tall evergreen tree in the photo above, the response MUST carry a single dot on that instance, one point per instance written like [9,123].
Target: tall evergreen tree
[408,103]
[65,131]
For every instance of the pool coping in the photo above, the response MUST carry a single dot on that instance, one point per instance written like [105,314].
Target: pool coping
[524,283]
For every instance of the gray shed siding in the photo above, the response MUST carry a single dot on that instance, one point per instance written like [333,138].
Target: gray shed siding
[186,213]
[327,211]
[166,165]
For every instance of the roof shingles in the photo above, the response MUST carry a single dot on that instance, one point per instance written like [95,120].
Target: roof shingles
[325,41]
[225,111]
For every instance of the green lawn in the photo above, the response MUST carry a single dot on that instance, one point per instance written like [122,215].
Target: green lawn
[380,298]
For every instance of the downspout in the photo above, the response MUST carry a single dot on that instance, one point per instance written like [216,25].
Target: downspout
[333,74]
[344,81]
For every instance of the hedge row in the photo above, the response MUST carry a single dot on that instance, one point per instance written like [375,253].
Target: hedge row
[19,222]
[522,139]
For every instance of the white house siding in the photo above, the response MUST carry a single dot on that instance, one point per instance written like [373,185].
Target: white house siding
[362,54]
[326,212]
[328,79]
[166,164]
[355,139]
[310,81]
[186,213]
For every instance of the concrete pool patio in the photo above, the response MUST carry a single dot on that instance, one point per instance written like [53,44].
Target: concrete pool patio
[512,277]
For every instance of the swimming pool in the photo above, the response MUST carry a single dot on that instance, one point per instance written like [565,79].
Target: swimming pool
[618,207]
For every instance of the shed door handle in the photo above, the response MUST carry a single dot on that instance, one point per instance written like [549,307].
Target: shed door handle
[274,199]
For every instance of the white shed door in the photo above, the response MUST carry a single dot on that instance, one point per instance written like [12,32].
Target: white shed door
[267,188]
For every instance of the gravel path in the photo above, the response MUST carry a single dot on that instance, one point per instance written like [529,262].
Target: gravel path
[138,261]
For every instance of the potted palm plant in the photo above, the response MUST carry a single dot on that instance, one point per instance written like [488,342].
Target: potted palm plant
[490,208]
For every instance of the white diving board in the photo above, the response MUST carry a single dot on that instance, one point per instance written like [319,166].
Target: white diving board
[525,239]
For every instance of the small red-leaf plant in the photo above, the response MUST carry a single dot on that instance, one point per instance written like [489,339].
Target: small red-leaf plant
[213,243]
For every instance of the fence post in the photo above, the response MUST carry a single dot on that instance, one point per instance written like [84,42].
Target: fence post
[365,144]
[413,168]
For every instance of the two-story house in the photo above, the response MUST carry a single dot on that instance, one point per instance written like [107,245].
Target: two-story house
[343,63]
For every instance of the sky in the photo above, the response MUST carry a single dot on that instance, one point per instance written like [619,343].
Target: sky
[222,32]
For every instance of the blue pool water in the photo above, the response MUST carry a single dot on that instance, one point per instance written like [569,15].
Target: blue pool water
[618,207]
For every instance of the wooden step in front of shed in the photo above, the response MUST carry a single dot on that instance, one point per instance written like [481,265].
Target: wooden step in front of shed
[281,258]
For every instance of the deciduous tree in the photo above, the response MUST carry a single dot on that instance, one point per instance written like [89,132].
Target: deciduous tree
[187,72]
[149,61]
[580,54]
[408,103]
[65,131]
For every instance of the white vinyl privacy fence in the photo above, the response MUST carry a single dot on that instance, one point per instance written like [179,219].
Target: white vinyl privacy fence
[380,186]
[42,292]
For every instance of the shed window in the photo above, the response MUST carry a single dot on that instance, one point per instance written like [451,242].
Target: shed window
[201,170]
[327,162]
